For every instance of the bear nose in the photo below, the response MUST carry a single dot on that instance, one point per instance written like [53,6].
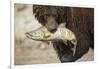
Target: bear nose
[53,30]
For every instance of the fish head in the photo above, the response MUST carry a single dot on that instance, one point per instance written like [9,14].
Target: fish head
[35,35]
[39,34]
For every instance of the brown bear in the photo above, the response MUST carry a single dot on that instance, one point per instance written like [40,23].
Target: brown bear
[78,19]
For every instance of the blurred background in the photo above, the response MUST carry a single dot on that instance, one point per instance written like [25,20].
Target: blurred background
[28,51]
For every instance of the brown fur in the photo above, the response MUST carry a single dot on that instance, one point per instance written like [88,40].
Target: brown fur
[77,19]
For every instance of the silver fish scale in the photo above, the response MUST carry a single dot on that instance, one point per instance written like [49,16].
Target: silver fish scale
[44,34]
[62,33]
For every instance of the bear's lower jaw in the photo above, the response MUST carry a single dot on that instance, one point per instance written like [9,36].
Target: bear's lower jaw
[68,57]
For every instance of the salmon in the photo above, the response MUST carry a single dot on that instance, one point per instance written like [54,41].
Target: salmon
[42,34]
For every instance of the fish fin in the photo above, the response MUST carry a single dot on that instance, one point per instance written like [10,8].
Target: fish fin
[50,43]
[62,25]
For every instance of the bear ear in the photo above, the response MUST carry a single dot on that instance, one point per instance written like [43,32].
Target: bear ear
[35,9]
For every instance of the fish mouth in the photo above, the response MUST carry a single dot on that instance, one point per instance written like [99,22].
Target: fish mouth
[30,36]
